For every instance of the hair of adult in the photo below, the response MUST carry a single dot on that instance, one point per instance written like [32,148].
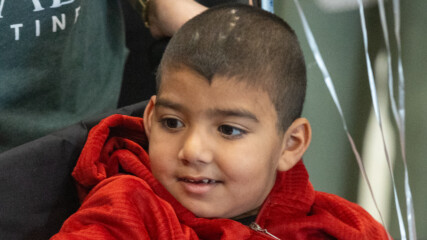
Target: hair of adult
[246,44]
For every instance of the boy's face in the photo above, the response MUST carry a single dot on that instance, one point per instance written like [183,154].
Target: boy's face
[216,148]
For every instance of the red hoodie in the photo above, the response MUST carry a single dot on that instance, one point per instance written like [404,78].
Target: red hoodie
[122,200]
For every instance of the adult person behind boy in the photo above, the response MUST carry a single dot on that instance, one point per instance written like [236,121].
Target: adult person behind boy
[225,140]
[145,53]
[62,61]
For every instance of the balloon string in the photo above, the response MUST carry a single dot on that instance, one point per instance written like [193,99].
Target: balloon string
[399,111]
[328,81]
[378,116]
[1,7]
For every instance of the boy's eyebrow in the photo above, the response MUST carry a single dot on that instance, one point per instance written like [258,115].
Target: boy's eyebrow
[232,112]
[169,104]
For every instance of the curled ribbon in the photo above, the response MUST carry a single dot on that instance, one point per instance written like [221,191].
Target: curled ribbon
[398,110]
[328,81]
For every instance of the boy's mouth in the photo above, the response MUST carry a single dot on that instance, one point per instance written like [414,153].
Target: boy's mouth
[198,181]
[198,186]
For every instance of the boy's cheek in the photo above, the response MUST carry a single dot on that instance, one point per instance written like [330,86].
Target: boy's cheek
[161,150]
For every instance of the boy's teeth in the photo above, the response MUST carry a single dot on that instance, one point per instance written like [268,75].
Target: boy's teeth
[205,181]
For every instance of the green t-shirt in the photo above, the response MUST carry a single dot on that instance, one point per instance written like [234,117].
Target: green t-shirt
[60,61]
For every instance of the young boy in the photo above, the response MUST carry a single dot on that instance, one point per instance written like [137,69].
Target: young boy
[225,141]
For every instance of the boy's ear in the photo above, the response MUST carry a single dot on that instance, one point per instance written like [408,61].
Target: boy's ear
[148,115]
[297,138]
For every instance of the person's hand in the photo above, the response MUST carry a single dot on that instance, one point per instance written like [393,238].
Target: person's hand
[167,16]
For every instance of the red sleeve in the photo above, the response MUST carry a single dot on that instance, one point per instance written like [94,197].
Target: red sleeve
[124,207]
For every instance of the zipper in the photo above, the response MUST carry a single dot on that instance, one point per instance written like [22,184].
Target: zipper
[254,226]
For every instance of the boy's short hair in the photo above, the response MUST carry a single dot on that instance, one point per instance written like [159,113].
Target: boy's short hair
[247,44]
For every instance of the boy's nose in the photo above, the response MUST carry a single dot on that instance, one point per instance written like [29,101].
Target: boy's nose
[195,149]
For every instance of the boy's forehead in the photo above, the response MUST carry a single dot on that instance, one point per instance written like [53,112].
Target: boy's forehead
[184,73]
[221,94]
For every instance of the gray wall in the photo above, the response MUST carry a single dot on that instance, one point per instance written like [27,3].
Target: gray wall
[330,161]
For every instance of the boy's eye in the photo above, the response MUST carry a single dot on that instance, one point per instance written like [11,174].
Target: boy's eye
[172,123]
[231,131]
